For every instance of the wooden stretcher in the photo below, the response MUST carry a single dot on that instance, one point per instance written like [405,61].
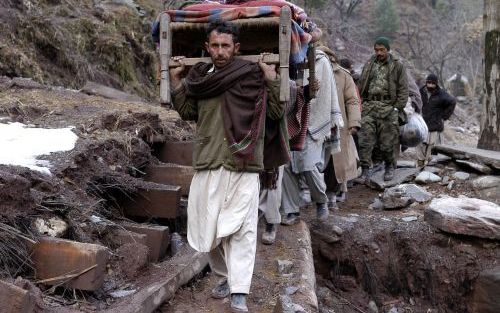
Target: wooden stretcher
[257,35]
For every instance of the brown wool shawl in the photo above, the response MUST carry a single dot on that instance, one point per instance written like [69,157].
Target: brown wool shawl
[244,97]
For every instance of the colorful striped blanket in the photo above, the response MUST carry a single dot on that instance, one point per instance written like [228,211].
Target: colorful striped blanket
[210,12]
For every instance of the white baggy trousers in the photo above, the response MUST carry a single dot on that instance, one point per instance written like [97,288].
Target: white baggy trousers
[222,219]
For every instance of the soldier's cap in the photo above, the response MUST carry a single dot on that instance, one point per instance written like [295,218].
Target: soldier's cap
[384,41]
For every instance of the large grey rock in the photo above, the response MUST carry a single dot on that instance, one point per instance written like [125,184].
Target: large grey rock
[486,182]
[401,175]
[427,177]
[403,195]
[475,166]
[486,297]
[465,216]
[461,175]
[488,187]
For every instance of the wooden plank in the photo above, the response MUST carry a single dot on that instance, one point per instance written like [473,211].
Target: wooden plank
[165,54]
[161,202]
[311,60]
[177,152]
[59,258]
[269,59]
[161,284]
[171,174]
[285,32]
[241,23]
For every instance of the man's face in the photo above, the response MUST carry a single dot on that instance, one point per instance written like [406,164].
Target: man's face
[431,86]
[381,52]
[221,48]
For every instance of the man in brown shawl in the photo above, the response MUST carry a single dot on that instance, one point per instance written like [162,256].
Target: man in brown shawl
[229,100]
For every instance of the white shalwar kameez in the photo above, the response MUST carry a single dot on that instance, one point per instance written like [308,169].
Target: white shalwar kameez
[222,219]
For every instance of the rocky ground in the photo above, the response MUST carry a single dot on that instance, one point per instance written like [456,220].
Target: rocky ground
[379,252]
[88,184]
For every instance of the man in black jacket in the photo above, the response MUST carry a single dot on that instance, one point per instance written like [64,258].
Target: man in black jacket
[437,107]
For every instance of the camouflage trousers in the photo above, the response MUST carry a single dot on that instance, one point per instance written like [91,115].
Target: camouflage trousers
[378,134]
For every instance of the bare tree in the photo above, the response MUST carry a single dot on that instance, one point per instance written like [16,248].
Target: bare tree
[489,137]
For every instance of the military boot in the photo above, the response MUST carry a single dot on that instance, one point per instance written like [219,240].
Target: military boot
[389,173]
[365,176]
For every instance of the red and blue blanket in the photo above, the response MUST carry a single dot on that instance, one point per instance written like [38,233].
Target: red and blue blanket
[211,12]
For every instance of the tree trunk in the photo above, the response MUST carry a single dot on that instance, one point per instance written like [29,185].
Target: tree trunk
[489,137]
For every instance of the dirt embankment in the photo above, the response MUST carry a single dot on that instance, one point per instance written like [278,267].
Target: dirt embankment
[390,262]
[69,42]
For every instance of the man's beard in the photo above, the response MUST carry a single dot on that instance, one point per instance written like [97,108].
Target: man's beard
[431,89]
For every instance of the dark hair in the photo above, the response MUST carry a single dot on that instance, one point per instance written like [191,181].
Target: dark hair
[224,28]
[345,63]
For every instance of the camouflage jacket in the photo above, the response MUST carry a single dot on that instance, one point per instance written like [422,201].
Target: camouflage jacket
[397,78]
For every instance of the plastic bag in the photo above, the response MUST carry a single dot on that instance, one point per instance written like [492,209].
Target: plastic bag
[414,132]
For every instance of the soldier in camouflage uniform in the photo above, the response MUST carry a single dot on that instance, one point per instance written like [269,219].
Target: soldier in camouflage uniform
[384,89]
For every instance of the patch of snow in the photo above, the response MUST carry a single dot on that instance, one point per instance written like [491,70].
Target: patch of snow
[21,145]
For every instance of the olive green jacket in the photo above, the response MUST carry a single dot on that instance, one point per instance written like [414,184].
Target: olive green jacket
[398,82]
[211,150]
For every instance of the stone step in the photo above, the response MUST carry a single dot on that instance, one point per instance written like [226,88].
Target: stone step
[14,299]
[162,201]
[157,238]
[178,152]
[171,174]
[56,260]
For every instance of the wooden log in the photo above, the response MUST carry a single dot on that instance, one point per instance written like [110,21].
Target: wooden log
[165,54]
[285,32]
[311,60]
[268,58]
[241,23]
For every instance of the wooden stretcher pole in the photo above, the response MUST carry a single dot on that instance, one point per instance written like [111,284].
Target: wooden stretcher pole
[165,54]
[285,35]
[311,60]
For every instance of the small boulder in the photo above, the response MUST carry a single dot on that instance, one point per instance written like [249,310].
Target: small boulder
[284,267]
[372,306]
[53,227]
[395,198]
[427,177]
[488,187]
[486,182]
[461,175]
[432,169]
